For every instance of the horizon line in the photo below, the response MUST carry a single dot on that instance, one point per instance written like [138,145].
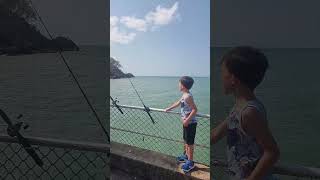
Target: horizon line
[267,47]
[170,76]
[80,44]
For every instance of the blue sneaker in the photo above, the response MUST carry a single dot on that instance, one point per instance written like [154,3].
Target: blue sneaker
[182,158]
[188,166]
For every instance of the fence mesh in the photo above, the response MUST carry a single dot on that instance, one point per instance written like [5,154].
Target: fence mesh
[59,163]
[135,128]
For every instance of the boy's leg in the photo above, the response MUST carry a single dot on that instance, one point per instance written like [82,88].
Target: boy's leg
[185,141]
[185,147]
[183,157]
[190,152]
[190,145]
[190,133]
[187,150]
[189,165]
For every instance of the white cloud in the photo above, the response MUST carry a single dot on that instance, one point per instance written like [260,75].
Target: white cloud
[118,36]
[162,16]
[153,19]
[134,23]
[121,37]
[113,20]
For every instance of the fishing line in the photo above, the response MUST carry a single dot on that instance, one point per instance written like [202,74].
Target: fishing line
[145,107]
[71,72]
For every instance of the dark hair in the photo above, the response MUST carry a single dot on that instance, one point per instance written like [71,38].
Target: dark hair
[248,64]
[186,81]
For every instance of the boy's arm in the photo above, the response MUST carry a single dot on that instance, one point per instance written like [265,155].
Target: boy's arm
[174,105]
[255,126]
[219,132]
[194,110]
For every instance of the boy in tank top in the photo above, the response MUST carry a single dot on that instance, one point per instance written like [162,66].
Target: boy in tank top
[189,121]
[251,148]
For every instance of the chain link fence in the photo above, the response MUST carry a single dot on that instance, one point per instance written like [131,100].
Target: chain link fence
[62,160]
[134,127]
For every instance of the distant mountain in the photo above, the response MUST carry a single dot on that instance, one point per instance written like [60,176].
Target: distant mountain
[116,72]
[17,36]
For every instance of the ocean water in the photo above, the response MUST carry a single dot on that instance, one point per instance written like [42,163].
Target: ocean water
[40,88]
[159,92]
[290,92]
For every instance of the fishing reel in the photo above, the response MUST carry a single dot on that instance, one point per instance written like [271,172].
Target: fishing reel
[114,103]
[13,130]
[147,109]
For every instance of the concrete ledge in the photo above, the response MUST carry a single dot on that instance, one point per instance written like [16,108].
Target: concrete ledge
[145,164]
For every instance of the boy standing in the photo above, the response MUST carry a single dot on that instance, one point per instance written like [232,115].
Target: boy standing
[188,112]
[251,148]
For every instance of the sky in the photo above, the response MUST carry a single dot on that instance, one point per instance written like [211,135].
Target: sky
[266,24]
[81,20]
[161,37]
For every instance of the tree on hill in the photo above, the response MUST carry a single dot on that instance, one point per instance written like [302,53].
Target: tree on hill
[19,8]
[115,70]
[115,63]
[19,33]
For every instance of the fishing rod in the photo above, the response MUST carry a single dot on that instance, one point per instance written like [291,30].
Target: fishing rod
[114,102]
[13,131]
[71,72]
[147,109]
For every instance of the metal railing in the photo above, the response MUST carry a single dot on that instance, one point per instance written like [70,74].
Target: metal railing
[62,159]
[134,127]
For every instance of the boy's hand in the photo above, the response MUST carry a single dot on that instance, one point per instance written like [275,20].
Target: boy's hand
[166,109]
[219,132]
[185,122]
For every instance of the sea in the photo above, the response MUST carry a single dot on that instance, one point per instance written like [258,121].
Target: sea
[159,92]
[40,87]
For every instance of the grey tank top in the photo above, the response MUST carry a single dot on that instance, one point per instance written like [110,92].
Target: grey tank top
[243,151]
[186,109]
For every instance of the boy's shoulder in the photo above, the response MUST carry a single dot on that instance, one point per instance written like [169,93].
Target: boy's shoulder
[189,99]
[252,120]
[253,114]
[187,96]
[257,105]
[250,113]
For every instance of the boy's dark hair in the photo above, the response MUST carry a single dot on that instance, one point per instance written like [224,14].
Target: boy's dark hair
[248,64]
[186,81]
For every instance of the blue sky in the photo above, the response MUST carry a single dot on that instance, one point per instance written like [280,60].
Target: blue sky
[161,37]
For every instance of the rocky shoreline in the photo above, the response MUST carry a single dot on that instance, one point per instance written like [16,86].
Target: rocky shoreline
[116,72]
[18,37]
